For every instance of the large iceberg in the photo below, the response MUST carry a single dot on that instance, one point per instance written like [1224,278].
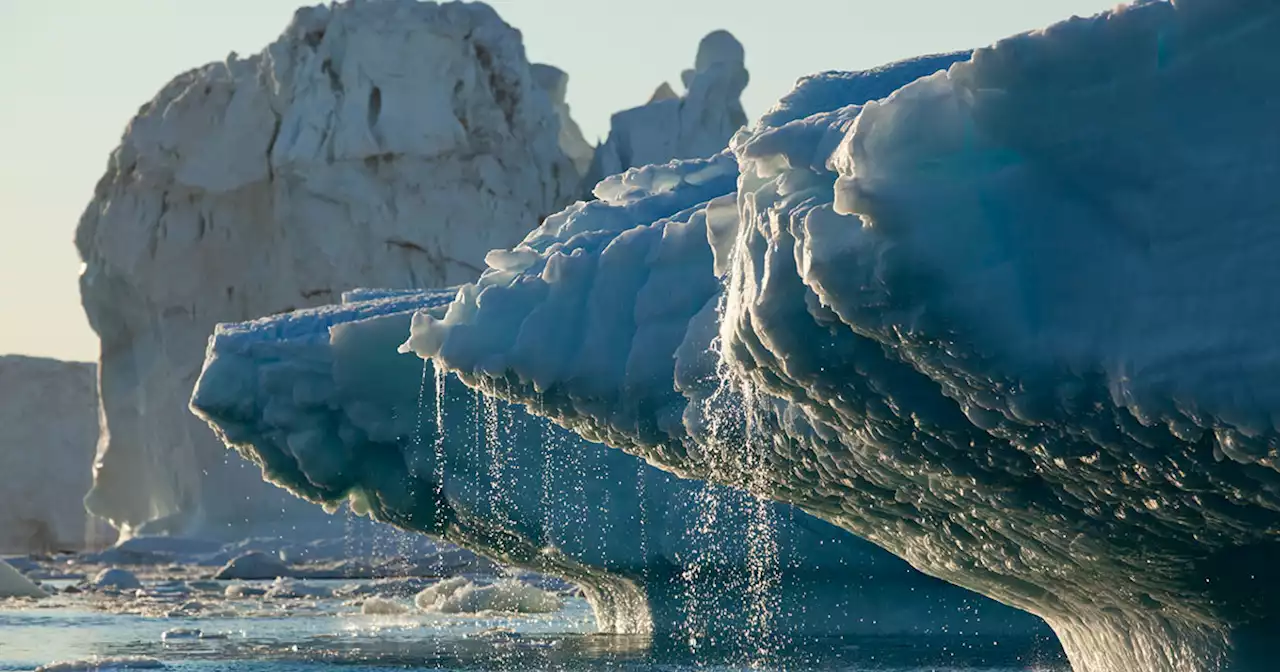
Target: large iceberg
[374,143]
[1014,323]
[695,125]
[322,400]
[48,434]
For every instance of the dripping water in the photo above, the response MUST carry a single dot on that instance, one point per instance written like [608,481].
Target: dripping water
[548,464]
[763,572]
[496,452]
[440,463]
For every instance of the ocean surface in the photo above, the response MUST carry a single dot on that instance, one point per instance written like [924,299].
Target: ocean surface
[207,633]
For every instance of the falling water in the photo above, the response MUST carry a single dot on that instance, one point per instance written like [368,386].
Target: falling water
[548,466]
[763,573]
[697,569]
[440,465]
[496,451]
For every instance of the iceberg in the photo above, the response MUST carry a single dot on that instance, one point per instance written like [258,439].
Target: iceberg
[48,434]
[323,401]
[14,584]
[695,125]
[1013,323]
[374,143]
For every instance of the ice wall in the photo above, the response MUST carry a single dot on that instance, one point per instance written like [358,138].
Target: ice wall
[695,125]
[1013,323]
[48,434]
[555,82]
[326,404]
[374,143]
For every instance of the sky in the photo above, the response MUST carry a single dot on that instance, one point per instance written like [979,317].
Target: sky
[77,70]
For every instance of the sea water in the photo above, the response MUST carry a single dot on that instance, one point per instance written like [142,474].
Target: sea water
[310,635]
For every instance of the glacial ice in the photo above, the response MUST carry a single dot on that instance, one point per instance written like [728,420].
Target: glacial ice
[695,125]
[381,606]
[104,664]
[48,434]
[555,82]
[374,143]
[1014,323]
[114,578]
[460,596]
[14,584]
[322,400]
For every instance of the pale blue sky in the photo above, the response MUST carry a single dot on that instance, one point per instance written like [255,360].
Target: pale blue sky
[76,71]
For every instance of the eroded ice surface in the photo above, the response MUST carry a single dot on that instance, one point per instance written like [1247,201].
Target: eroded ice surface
[1015,323]
[386,143]
[325,403]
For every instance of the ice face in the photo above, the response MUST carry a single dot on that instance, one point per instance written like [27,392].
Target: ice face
[389,144]
[48,433]
[322,400]
[1013,323]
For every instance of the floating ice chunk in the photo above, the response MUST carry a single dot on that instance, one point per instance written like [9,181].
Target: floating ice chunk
[177,634]
[460,596]
[438,591]
[13,584]
[284,588]
[254,566]
[380,606]
[104,664]
[237,591]
[114,578]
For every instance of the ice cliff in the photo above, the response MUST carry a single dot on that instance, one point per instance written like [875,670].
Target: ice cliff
[324,402]
[693,126]
[1014,323]
[374,143]
[555,82]
[48,434]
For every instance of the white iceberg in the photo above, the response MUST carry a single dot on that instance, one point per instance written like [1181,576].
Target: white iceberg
[374,143]
[1013,323]
[695,125]
[322,400]
[48,435]
[14,584]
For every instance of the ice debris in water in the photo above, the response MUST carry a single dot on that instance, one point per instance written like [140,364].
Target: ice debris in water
[114,578]
[283,588]
[103,664]
[14,584]
[381,606]
[254,566]
[462,596]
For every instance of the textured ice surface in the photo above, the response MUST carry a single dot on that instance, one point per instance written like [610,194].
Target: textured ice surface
[324,402]
[695,125]
[1015,323]
[383,143]
[460,596]
[48,433]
